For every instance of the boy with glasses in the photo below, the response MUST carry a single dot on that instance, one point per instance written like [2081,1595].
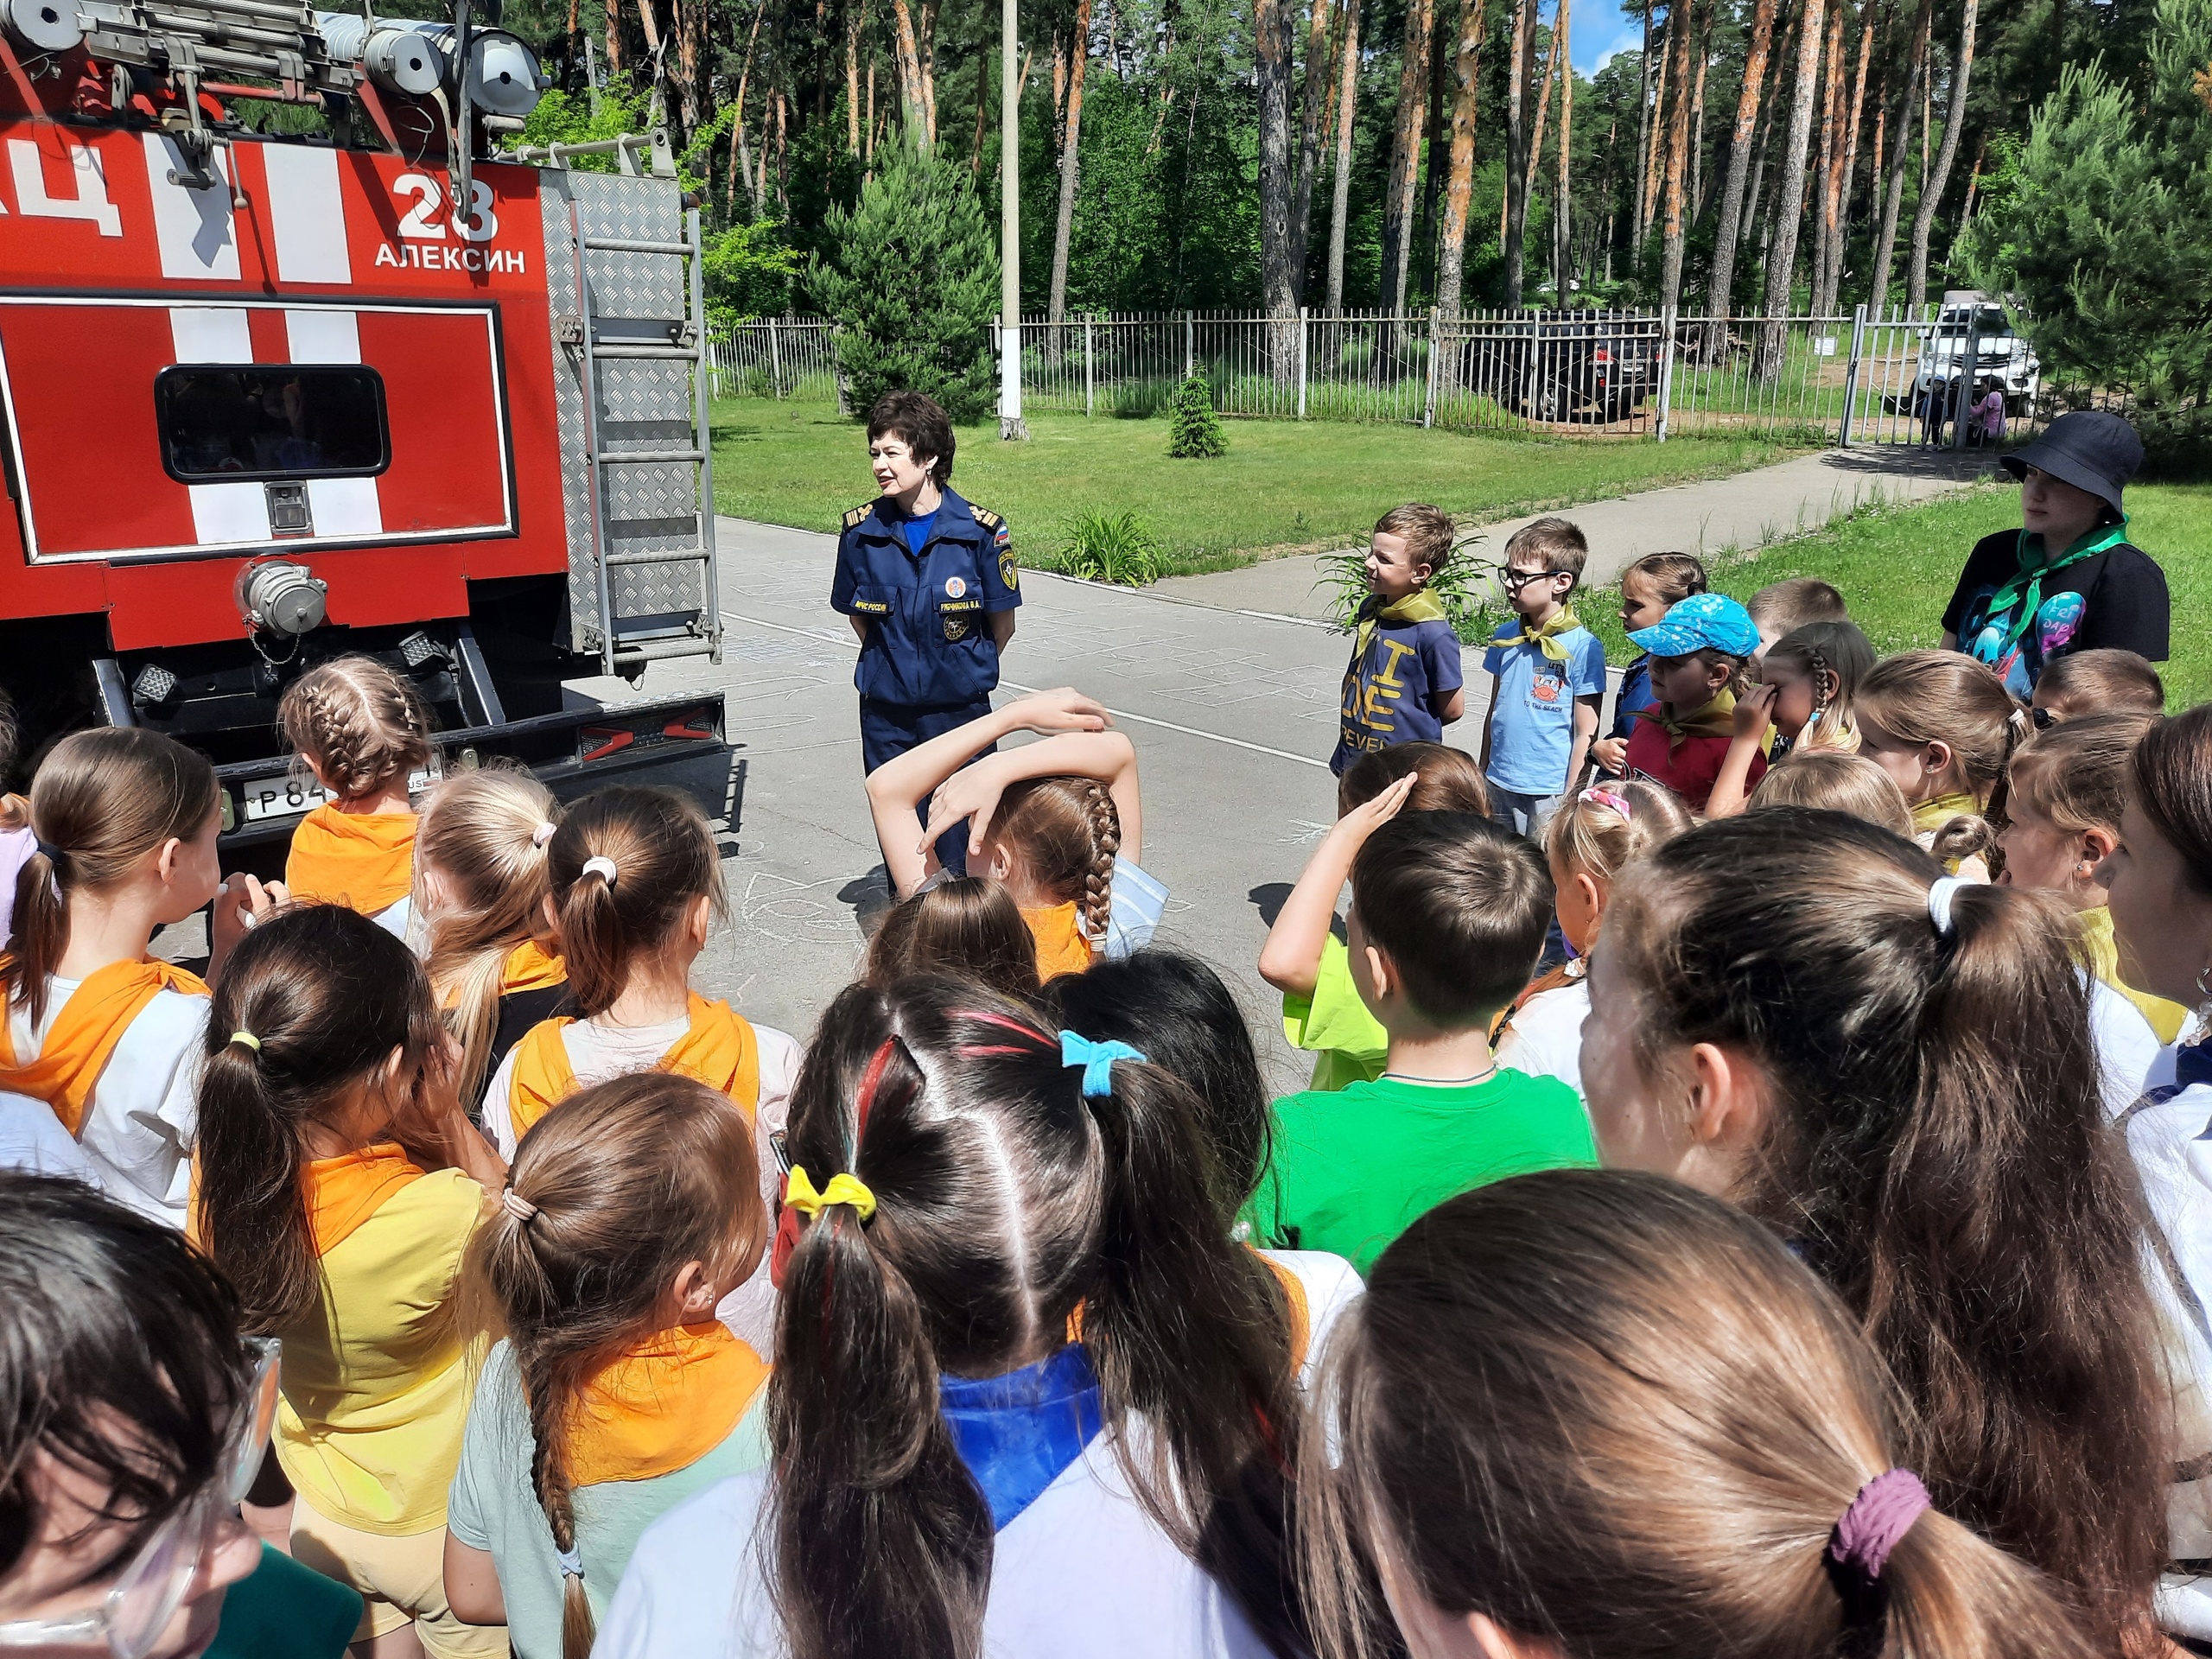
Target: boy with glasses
[1547,678]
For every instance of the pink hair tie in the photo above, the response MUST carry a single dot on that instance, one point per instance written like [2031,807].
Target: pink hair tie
[543,834]
[1880,1515]
[1606,798]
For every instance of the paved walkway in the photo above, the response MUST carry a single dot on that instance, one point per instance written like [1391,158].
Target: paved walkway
[1746,510]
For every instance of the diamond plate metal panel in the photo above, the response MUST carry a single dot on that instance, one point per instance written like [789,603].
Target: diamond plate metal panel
[632,285]
[562,299]
[653,508]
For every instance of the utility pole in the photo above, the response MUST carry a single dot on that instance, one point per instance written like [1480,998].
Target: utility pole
[1012,427]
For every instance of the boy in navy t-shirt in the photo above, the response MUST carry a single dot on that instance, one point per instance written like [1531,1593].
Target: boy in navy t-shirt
[1547,678]
[1404,682]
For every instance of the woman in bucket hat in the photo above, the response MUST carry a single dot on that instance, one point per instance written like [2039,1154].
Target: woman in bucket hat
[2070,579]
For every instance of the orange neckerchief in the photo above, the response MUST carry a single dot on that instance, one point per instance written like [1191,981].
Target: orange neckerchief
[1061,946]
[719,1050]
[1293,1290]
[528,968]
[84,1033]
[342,1193]
[365,860]
[662,1406]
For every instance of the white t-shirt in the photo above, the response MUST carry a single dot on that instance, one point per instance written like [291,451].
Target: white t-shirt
[144,1115]
[2126,1046]
[1081,1573]
[598,1053]
[1545,1039]
[33,1141]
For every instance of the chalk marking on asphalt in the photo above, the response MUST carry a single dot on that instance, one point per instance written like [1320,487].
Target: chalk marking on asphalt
[1029,690]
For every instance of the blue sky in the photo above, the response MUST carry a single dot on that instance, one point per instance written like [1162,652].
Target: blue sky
[1601,28]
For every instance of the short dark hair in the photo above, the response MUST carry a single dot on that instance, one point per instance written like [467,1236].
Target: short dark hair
[920,423]
[1177,1010]
[1559,542]
[1786,606]
[1459,905]
[120,1356]
[2105,681]
[1449,780]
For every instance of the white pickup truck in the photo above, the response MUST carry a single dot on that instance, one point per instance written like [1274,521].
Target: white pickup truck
[1973,322]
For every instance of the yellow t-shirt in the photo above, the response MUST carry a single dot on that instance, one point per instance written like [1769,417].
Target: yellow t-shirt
[376,1380]
[1351,1042]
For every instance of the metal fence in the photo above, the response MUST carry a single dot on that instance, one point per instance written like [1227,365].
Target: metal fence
[1879,377]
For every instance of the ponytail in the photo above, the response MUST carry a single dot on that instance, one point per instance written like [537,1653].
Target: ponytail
[625,865]
[319,998]
[1951,1175]
[103,800]
[1002,1201]
[1064,833]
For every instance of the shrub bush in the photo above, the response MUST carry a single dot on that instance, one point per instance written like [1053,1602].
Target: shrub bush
[1196,432]
[1100,547]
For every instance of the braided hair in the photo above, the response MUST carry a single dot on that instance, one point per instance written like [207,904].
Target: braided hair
[357,723]
[1066,833]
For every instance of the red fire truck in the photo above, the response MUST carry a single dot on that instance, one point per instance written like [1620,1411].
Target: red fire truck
[269,400]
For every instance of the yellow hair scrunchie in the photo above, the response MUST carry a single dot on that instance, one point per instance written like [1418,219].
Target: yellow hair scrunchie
[799,1194]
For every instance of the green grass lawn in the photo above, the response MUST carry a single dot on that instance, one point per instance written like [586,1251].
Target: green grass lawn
[1896,566]
[1284,486]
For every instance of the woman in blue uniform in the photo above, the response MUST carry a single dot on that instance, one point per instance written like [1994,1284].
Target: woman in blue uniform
[930,585]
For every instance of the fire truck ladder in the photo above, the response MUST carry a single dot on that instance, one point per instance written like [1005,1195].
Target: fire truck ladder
[644,381]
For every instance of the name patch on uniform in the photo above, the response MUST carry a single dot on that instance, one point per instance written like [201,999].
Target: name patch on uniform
[872,608]
[955,585]
[961,605]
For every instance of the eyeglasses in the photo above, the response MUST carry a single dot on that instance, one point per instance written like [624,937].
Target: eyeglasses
[130,1618]
[1514,581]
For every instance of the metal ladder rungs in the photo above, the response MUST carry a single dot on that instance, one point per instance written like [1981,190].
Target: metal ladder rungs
[661,650]
[648,353]
[651,457]
[627,245]
[689,555]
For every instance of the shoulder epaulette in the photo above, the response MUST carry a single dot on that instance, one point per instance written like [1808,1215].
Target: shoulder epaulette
[985,516]
[858,516]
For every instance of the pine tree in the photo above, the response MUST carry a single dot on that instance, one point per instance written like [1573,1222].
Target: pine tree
[1196,433]
[912,285]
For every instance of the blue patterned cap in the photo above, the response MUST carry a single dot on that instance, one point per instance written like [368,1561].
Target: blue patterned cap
[1701,622]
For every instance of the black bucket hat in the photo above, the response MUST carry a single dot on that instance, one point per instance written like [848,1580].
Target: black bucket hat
[2089,449]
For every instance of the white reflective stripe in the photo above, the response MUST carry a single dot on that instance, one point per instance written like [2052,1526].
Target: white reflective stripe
[194,227]
[324,334]
[307,211]
[344,506]
[210,333]
[229,512]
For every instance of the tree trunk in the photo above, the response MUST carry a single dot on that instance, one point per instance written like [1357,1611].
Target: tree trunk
[1697,120]
[867,146]
[1729,228]
[1832,284]
[925,42]
[1439,139]
[1398,191]
[1931,193]
[1563,191]
[1544,112]
[1824,226]
[1459,189]
[1519,72]
[1789,204]
[1654,155]
[1885,239]
[1071,163]
[688,32]
[1347,102]
[783,156]
[613,38]
[855,12]
[1271,25]
[1643,142]
[1973,178]
[908,55]
[1679,29]
[1318,87]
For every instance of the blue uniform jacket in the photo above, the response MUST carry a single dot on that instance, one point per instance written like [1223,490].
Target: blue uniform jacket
[929,643]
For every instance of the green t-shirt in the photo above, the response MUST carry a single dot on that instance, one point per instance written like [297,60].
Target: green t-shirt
[1351,1042]
[1351,1170]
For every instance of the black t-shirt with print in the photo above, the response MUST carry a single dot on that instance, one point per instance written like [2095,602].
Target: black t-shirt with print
[2114,599]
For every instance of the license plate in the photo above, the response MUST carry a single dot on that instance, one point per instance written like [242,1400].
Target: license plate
[288,797]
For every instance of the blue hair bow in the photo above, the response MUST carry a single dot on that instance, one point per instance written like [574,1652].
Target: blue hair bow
[1097,1060]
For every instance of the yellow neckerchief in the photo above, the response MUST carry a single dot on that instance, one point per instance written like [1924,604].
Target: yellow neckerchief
[2102,952]
[365,860]
[1545,637]
[718,1049]
[1293,1291]
[1419,606]
[1932,814]
[1713,719]
[1061,946]
[1822,736]
[84,1034]
[529,968]
[662,1406]
[343,1192]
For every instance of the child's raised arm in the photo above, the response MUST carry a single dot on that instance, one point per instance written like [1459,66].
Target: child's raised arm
[1291,959]
[1753,715]
[901,785]
[972,792]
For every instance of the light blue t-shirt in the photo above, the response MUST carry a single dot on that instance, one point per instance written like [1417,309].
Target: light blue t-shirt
[493,1507]
[1532,724]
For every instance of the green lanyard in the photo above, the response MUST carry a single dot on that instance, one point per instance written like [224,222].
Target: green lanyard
[2027,582]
